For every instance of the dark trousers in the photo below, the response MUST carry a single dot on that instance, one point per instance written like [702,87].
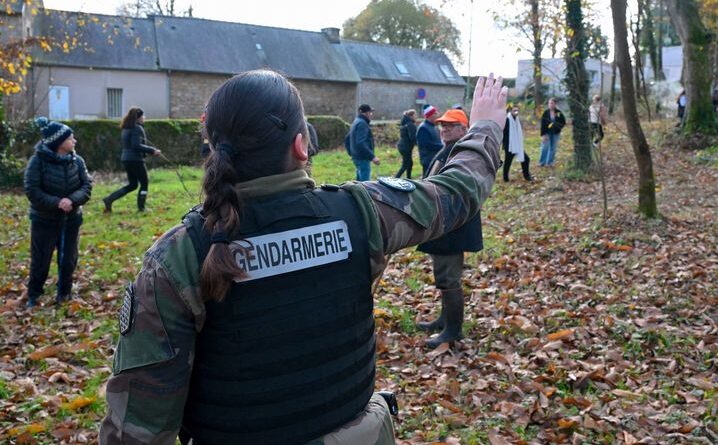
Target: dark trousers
[596,132]
[524,165]
[406,164]
[45,238]
[136,173]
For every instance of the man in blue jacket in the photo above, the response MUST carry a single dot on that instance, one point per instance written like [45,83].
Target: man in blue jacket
[360,143]
[427,138]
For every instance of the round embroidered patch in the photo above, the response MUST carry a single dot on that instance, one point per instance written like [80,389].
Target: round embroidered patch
[397,184]
[127,310]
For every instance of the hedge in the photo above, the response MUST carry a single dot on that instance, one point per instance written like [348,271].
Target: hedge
[98,141]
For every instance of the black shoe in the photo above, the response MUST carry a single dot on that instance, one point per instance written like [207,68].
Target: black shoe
[59,299]
[108,206]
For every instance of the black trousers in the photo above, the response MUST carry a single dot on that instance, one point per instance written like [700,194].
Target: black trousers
[406,164]
[136,174]
[524,165]
[45,238]
[596,132]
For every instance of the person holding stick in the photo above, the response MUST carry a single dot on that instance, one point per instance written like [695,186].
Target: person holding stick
[57,185]
[134,150]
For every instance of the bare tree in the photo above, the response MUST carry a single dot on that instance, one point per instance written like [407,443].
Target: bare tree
[146,8]
[641,150]
[698,44]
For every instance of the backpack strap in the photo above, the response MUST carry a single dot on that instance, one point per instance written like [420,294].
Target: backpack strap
[194,222]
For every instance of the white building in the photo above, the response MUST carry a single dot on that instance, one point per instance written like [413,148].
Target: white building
[554,74]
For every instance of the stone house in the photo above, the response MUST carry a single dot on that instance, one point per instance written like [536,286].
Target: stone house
[170,65]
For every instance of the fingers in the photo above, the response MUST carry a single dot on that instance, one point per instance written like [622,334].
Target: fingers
[488,87]
[480,85]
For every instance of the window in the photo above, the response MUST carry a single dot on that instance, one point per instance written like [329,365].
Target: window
[447,71]
[114,103]
[401,68]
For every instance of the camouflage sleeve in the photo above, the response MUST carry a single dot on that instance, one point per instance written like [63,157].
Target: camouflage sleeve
[396,219]
[152,366]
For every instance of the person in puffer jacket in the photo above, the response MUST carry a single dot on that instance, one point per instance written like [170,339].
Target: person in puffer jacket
[57,185]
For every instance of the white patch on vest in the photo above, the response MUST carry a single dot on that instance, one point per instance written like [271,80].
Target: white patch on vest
[284,252]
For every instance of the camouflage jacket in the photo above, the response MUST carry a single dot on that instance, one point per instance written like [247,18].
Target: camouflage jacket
[154,356]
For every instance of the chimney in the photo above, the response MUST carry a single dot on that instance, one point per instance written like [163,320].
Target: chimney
[332,34]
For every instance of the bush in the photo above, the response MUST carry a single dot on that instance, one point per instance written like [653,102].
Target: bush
[11,168]
[386,133]
[98,141]
[330,131]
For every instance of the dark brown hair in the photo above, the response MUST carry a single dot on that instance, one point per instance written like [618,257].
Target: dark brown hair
[251,121]
[130,119]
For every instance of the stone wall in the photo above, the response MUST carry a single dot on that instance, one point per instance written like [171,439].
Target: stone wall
[189,92]
[328,98]
[390,99]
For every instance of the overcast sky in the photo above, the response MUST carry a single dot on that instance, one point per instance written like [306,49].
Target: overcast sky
[492,49]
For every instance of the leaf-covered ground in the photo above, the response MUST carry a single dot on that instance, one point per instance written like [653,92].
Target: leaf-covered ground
[578,330]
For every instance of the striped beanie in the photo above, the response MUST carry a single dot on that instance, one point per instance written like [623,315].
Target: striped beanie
[53,133]
[429,111]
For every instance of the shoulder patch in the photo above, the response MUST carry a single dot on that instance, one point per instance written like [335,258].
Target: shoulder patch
[127,311]
[397,184]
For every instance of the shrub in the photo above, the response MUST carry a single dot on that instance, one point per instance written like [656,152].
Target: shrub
[98,141]
[330,131]
[11,168]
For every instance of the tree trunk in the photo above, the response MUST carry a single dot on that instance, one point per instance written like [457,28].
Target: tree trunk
[612,100]
[650,32]
[697,45]
[646,180]
[577,82]
[537,50]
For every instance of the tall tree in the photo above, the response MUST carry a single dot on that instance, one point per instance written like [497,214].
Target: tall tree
[535,23]
[404,23]
[146,8]
[697,44]
[650,36]
[577,83]
[641,150]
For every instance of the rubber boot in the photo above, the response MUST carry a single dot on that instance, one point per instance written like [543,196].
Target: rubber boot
[141,198]
[452,301]
[435,325]
[108,205]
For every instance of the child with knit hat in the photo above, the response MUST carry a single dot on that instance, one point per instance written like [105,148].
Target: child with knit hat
[57,185]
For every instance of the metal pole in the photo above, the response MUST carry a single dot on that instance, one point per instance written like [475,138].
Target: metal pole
[468,64]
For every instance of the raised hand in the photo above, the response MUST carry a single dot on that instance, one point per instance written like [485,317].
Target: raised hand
[489,101]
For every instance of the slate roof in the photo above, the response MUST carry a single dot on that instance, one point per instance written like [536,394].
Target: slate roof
[216,47]
[11,7]
[378,61]
[102,41]
[209,46]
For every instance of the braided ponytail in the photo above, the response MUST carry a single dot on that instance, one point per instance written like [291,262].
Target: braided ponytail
[221,208]
[251,121]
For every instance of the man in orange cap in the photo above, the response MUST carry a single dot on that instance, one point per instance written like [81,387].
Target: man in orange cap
[447,252]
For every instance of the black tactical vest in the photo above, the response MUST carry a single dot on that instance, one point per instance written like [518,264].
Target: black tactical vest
[287,358]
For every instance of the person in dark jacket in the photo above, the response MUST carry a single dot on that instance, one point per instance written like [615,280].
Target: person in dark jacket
[134,150]
[427,138]
[57,185]
[552,122]
[407,141]
[447,252]
[360,143]
[252,321]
